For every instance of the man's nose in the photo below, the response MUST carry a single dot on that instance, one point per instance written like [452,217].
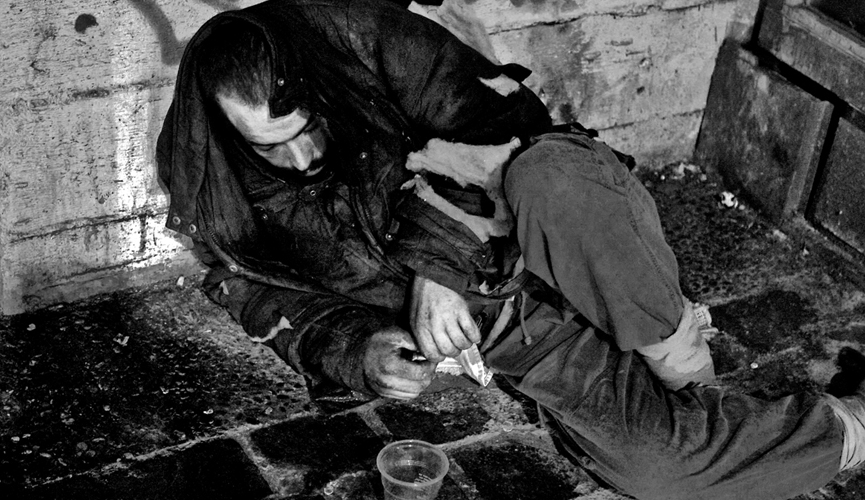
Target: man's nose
[302,151]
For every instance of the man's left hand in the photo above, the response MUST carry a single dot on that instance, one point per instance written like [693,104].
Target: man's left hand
[440,320]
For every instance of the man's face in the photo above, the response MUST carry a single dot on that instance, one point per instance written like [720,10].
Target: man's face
[296,141]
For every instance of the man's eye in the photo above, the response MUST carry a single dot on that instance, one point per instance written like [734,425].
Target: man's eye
[264,149]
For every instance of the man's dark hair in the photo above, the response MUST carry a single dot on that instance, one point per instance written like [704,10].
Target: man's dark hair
[234,61]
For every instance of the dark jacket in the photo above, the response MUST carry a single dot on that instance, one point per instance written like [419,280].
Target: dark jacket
[335,256]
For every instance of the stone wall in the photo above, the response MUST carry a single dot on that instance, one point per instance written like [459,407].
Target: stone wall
[85,86]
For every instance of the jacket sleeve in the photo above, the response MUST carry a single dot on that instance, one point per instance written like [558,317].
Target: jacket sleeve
[448,91]
[322,337]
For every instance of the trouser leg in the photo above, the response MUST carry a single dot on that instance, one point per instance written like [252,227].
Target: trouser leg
[701,443]
[588,228]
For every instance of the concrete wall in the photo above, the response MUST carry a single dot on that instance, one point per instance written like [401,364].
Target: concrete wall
[85,84]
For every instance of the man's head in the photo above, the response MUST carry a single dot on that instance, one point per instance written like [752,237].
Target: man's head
[236,73]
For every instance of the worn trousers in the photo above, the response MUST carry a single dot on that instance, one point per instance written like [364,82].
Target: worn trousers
[590,234]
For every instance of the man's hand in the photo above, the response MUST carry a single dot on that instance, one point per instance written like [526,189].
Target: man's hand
[682,358]
[440,320]
[388,365]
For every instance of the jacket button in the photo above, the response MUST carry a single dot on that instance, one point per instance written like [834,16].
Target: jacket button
[364,155]
[175,220]
[192,228]
[232,268]
[313,192]
[388,237]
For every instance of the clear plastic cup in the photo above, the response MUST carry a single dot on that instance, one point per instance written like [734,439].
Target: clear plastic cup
[411,470]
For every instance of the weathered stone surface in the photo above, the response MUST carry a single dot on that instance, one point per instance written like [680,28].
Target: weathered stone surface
[319,449]
[83,159]
[214,470]
[514,470]
[609,71]
[499,15]
[838,203]
[823,50]
[51,51]
[847,13]
[91,255]
[437,418]
[129,374]
[762,133]
[656,142]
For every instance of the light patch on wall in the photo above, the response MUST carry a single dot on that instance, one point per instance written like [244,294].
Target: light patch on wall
[129,115]
[134,172]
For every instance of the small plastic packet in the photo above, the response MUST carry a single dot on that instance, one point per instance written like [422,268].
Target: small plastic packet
[469,362]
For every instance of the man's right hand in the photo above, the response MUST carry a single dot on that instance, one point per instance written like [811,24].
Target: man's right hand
[388,365]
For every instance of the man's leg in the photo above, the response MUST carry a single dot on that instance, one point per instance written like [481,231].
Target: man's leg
[589,229]
[694,444]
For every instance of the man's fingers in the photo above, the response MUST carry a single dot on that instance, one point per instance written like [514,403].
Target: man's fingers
[447,337]
[416,370]
[407,380]
[427,346]
[396,393]
[403,342]
[455,340]
[440,320]
[470,329]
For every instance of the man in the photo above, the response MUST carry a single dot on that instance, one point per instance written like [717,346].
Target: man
[372,196]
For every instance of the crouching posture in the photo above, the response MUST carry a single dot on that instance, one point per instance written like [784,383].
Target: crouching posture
[365,186]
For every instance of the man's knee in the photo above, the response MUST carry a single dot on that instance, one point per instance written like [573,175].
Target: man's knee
[542,179]
[530,175]
[567,159]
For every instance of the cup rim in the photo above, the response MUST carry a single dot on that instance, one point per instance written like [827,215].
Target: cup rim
[420,444]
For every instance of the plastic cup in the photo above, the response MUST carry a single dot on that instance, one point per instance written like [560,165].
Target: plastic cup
[411,470]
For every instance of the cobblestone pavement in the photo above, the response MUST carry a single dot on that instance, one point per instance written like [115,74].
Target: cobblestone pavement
[153,393]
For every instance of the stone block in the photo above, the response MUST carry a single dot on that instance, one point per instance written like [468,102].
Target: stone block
[80,159]
[851,14]
[213,470]
[837,203]
[515,470]
[642,80]
[63,47]
[315,450]
[130,372]
[824,50]
[437,418]
[762,133]
[658,142]
[95,257]
[505,15]
[609,71]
